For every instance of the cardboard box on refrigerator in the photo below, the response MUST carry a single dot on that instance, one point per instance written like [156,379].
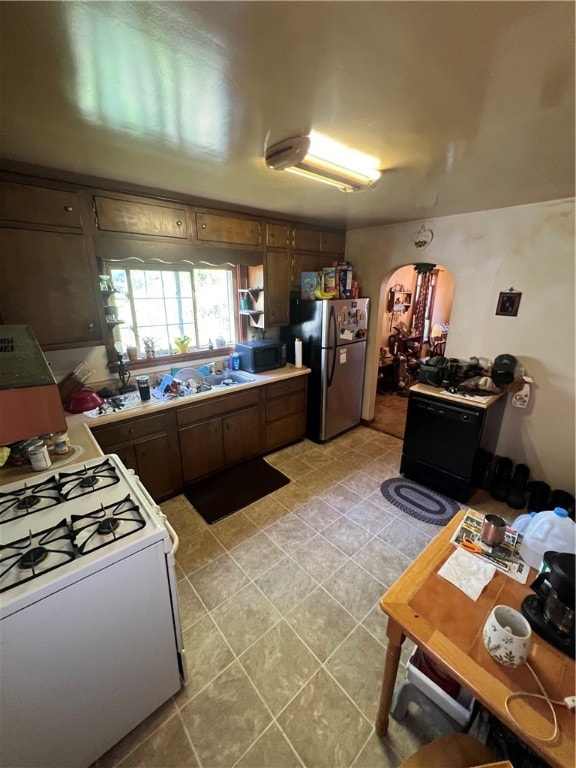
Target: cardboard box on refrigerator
[329,279]
[309,281]
[344,282]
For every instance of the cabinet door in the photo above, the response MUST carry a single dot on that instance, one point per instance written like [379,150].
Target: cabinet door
[241,435]
[39,205]
[138,218]
[285,412]
[227,229]
[334,242]
[46,282]
[285,431]
[277,275]
[308,262]
[201,449]
[126,454]
[306,239]
[277,235]
[155,466]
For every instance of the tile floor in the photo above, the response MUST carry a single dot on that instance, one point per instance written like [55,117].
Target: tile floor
[284,637]
[390,412]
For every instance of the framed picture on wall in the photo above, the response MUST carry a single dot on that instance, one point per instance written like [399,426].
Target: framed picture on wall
[508,303]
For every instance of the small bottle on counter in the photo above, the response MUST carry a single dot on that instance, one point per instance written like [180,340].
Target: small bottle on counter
[38,455]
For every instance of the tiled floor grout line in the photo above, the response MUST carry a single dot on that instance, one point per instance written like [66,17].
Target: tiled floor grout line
[188,737]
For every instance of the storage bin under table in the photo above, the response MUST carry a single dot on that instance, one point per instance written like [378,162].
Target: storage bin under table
[442,708]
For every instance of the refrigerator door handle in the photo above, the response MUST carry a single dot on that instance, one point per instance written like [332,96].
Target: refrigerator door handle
[332,347]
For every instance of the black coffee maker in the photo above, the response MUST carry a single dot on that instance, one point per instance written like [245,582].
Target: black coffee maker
[550,611]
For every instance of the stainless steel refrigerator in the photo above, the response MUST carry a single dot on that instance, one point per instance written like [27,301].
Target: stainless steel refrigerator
[333,334]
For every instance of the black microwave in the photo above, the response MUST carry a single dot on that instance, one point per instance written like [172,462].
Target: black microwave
[260,356]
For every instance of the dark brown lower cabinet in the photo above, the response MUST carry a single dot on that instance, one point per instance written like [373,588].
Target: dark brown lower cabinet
[177,446]
[149,446]
[241,435]
[285,412]
[219,442]
[201,449]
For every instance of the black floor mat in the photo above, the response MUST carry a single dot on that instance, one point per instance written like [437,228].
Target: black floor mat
[218,496]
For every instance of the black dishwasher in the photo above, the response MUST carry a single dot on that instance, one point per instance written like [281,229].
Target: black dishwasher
[447,445]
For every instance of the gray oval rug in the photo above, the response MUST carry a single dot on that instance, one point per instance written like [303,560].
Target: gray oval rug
[418,501]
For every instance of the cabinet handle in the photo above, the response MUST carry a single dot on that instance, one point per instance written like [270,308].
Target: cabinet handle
[68,208]
[178,223]
[90,326]
[131,430]
[203,226]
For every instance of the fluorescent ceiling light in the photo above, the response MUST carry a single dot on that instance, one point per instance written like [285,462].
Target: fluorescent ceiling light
[322,159]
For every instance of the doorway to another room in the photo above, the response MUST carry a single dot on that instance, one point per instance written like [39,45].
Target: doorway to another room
[415,327]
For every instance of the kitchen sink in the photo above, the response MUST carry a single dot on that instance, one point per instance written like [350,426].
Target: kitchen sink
[228,379]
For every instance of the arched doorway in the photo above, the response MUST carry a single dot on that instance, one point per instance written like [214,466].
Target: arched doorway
[415,327]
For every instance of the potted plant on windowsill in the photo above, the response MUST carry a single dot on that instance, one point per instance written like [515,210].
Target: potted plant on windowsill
[181,344]
[149,346]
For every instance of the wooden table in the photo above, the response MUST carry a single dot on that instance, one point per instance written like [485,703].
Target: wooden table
[447,625]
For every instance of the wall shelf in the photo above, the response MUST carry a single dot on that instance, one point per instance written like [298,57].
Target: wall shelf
[251,291]
[399,301]
[251,299]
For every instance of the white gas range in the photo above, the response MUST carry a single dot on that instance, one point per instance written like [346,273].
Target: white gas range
[90,634]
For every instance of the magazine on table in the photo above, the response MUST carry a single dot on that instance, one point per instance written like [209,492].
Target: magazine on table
[505,557]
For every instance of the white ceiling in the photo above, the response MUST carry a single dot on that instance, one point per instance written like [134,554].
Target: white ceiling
[468,105]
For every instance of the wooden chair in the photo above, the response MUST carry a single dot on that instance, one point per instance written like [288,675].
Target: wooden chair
[457,750]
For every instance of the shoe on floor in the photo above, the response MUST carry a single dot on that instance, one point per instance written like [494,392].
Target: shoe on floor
[488,475]
[538,499]
[518,484]
[563,499]
[502,476]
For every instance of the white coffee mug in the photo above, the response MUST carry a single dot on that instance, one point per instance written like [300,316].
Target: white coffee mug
[507,636]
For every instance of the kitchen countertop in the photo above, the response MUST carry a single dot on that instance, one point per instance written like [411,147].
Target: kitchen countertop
[153,405]
[84,445]
[459,399]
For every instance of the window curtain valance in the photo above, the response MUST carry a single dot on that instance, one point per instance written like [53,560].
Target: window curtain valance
[134,252]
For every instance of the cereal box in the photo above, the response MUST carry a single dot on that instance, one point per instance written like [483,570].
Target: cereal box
[329,279]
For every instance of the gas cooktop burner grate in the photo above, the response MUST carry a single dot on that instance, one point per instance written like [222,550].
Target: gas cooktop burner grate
[34,555]
[83,481]
[29,499]
[105,525]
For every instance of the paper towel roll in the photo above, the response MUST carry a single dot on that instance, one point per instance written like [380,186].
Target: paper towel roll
[298,353]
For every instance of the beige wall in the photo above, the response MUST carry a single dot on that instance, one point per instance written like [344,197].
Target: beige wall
[529,248]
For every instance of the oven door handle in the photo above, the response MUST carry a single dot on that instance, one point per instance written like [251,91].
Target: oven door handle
[172,533]
[164,520]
